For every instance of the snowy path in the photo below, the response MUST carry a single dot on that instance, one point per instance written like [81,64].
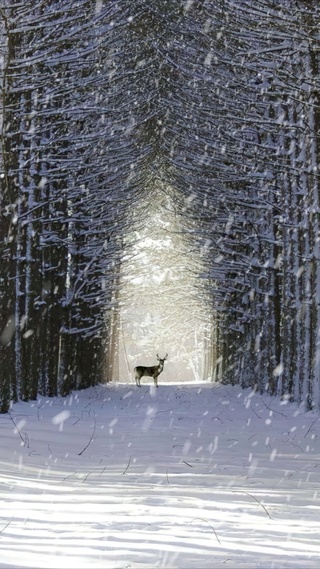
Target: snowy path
[185,476]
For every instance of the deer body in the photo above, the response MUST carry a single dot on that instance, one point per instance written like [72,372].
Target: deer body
[149,371]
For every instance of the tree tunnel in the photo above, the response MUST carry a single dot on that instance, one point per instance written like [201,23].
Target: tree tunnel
[159,193]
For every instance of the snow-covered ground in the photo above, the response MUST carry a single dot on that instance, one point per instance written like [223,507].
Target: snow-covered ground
[184,476]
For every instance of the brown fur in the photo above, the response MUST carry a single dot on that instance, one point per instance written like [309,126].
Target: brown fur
[149,371]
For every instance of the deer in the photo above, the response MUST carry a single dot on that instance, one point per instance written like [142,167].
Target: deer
[149,371]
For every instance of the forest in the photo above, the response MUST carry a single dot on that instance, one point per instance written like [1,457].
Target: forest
[104,104]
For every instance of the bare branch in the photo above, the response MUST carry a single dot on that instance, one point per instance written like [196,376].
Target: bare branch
[127,466]
[91,438]
[256,499]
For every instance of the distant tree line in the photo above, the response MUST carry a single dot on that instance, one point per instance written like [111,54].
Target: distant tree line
[218,100]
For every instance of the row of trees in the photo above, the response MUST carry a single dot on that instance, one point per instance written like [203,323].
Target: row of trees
[255,166]
[217,100]
[65,147]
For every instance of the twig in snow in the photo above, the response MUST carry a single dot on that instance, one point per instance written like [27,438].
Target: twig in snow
[256,499]
[167,477]
[5,527]
[32,451]
[91,438]
[255,412]
[164,411]
[69,476]
[127,466]
[26,440]
[85,478]
[187,463]
[273,411]
[308,431]
[296,446]
[214,531]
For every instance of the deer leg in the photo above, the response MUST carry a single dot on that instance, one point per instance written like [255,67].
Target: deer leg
[137,381]
[155,381]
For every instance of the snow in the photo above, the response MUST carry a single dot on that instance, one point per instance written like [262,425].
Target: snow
[184,476]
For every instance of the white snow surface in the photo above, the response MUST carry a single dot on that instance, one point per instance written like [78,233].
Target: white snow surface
[184,476]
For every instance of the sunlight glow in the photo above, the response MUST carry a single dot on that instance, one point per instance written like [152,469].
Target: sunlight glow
[161,310]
